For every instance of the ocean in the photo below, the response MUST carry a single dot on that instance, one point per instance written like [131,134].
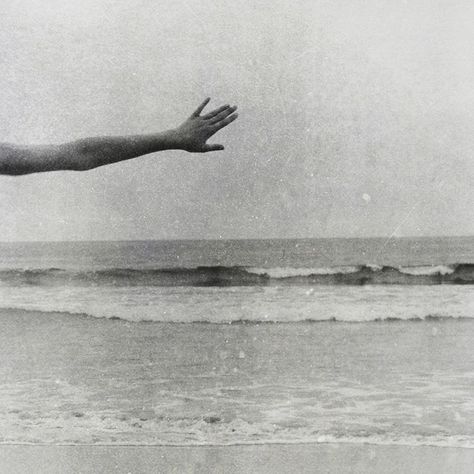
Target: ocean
[238,342]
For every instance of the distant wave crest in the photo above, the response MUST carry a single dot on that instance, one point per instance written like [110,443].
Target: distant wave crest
[462,273]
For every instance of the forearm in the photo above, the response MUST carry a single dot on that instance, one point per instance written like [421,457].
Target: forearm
[91,153]
[84,154]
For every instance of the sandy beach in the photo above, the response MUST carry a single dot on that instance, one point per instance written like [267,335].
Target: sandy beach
[336,458]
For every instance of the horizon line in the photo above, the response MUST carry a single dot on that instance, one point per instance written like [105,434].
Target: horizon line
[388,238]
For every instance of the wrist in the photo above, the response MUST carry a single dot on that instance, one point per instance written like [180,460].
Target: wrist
[173,140]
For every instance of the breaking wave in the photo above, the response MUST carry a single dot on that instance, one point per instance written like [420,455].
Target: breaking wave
[221,276]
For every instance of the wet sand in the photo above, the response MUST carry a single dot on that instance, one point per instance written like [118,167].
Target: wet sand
[309,458]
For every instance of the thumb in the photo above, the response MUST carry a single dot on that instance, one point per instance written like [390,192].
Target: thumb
[213,147]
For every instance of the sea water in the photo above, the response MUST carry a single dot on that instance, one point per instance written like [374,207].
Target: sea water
[224,342]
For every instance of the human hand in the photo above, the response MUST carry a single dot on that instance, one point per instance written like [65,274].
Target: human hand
[193,134]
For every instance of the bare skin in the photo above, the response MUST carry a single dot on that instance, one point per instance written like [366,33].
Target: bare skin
[89,153]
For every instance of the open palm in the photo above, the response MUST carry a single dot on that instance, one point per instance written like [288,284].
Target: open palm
[193,134]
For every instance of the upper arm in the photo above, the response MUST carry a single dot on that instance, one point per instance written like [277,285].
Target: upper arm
[13,159]
[20,159]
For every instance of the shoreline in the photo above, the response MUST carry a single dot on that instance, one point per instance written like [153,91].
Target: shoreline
[256,444]
[281,458]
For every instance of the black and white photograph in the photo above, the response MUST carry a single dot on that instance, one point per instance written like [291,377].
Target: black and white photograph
[237,236]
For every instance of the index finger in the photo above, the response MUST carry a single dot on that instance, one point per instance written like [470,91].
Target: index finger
[200,108]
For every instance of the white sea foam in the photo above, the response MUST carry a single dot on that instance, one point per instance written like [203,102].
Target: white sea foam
[329,413]
[428,270]
[289,272]
[252,304]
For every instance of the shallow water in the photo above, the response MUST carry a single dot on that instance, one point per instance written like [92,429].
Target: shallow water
[73,379]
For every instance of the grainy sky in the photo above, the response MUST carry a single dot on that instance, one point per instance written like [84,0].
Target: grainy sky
[356,117]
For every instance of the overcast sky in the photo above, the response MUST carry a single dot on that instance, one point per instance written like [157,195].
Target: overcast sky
[356,117]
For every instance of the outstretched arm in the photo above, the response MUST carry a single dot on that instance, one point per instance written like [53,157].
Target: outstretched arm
[89,153]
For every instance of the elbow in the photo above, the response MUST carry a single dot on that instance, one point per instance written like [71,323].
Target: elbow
[82,154]
[80,164]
